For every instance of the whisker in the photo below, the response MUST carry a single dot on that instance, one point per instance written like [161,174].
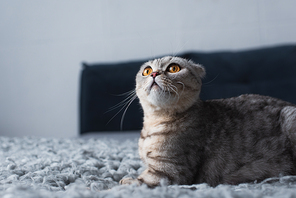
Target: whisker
[126,93]
[173,86]
[211,80]
[175,90]
[125,104]
[179,48]
[131,95]
[169,95]
[182,86]
[123,115]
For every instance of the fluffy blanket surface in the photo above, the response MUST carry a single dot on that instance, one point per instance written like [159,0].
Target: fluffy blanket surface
[44,167]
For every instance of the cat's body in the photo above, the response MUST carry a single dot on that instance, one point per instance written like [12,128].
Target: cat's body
[228,141]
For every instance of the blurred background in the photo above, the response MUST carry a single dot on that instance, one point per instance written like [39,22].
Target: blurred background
[42,45]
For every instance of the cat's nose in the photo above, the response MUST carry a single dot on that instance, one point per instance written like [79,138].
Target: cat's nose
[154,74]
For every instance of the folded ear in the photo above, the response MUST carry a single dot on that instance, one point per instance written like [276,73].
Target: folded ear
[199,70]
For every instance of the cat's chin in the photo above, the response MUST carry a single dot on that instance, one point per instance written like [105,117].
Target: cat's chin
[166,102]
[160,99]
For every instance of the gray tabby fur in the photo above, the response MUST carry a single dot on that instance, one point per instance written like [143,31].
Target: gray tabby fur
[185,140]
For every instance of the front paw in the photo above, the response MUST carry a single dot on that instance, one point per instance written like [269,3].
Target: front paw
[129,181]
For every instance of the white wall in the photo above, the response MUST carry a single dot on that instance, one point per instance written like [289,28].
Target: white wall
[42,44]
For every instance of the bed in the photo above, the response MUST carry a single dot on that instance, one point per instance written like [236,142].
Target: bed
[92,167]
[92,164]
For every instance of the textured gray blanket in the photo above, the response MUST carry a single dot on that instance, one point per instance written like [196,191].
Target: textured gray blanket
[43,167]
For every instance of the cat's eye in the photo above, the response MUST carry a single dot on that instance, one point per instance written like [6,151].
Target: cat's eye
[147,71]
[174,68]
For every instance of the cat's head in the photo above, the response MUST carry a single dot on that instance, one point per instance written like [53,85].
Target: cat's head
[169,84]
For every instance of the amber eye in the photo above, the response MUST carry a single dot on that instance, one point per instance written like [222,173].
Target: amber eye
[174,68]
[147,71]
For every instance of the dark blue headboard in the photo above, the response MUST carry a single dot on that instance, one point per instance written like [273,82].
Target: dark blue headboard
[267,71]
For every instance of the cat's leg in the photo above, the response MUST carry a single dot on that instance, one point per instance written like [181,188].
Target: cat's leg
[150,177]
[153,177]
[288,123]
[129,181]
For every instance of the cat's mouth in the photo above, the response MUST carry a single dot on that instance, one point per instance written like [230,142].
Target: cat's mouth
[154,85]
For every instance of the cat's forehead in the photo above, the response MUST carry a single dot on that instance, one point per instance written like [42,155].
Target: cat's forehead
[165,61]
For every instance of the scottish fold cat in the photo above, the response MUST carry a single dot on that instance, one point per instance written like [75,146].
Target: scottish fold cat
[185,140]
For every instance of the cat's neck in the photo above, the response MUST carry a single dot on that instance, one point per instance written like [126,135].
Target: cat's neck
[159,121]
[180,107]
[154,113]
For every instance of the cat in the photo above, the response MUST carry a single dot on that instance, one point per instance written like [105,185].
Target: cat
[187,141]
